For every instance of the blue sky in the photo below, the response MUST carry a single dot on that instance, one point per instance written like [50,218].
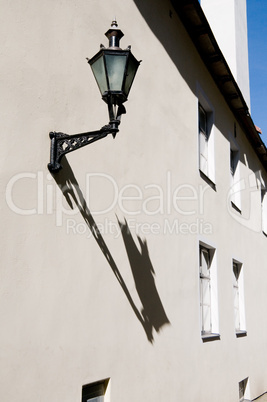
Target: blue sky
[257,45]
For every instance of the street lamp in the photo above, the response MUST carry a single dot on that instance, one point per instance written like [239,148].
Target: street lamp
[114,70]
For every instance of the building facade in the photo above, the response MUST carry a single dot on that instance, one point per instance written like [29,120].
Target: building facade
[137,272]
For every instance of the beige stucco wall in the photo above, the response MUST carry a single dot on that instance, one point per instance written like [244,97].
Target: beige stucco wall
[71,304]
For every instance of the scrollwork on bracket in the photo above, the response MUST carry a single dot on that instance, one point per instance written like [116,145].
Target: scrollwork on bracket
[62,144]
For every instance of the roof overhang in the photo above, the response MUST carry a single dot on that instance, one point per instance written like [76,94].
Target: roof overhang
[198,28]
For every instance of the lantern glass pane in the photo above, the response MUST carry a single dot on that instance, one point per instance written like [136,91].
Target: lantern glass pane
[100,75]
[130,74]
[115,70]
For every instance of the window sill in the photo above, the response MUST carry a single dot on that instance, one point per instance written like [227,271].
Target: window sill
[241,333]
[207,180]
[210,337]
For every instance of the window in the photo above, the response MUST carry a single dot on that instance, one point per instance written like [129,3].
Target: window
[208,293]
[95,392]
[206,140]
[239,307]
[264,210]
[263,194]
[233,161]
[244,394]
[235,183]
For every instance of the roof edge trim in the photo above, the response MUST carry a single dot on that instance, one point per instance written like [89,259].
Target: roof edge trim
[196,24]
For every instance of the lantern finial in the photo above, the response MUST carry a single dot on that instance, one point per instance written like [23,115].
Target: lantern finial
[114,35]
[114,23]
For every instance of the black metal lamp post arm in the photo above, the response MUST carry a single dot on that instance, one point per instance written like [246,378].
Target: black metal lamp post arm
[61,143]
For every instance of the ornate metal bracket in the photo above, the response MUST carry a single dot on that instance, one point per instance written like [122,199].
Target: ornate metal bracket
[61,143]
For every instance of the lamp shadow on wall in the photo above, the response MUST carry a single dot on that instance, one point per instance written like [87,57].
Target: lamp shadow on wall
[143,274]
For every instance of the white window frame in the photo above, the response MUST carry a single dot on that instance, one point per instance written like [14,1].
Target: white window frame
[208,294]
[244,390]
[238,298]
[264,209]
[234,168]
[263,195]
[206,138]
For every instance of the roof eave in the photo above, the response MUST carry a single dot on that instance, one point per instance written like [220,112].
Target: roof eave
[198,28]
